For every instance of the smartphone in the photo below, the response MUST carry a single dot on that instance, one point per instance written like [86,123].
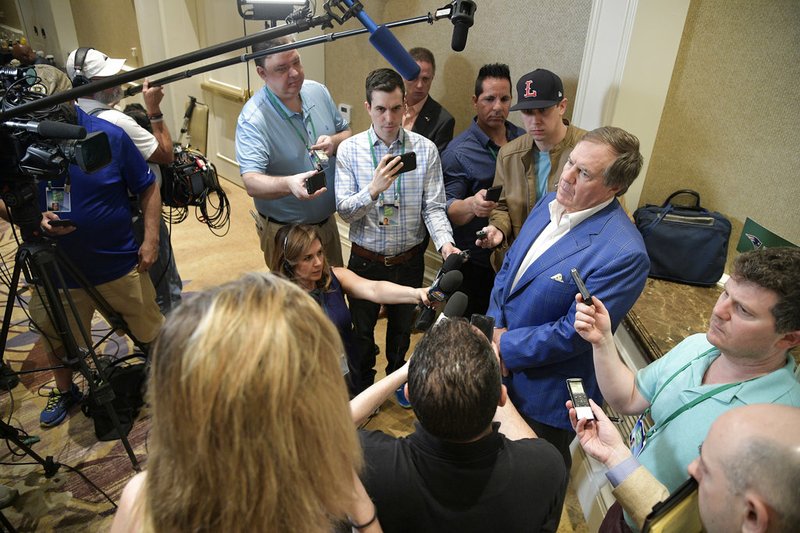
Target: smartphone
[409,160]
[493,193]
[62,223]
[481,234]
[579,399]
[316,182]
[587,297]
[484,323]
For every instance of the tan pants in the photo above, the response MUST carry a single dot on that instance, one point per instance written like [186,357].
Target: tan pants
[132,296]
[328,233]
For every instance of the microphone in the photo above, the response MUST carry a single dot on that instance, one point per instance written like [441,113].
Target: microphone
[440,291]
[387,44]
[443,287]
[455,307]
[50,129]
[462,17]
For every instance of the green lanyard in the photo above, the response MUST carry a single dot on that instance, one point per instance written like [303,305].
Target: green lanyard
[691,404]
[397,186]
[275,104]
[492,152]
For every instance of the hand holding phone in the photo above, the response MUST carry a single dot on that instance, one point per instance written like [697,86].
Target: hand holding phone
[409,160]
[579,399]
[316,182]
[587,297]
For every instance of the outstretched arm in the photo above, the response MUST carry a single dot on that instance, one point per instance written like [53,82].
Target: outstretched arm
[362,406]
[379,292]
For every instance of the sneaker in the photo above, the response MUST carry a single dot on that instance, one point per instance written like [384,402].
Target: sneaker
[402,401]
[58,404]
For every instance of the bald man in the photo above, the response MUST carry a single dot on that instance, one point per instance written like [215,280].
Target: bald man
[748,470]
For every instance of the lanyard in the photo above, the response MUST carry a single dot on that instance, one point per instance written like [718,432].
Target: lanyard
[691,404]
[397,185]
[279,108]
[492,151]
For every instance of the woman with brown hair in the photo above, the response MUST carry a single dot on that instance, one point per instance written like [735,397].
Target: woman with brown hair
[251,429]
[299,257]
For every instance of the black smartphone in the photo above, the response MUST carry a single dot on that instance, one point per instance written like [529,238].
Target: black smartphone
[587,297]
[409,160]
[62,223]
[493,193]
[484,323]
[316,182]
[579,399]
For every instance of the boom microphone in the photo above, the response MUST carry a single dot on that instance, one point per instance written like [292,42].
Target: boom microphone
[455,307]
[462,17]
[389,47]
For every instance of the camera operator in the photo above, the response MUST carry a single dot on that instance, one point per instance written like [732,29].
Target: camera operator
[99,241]
[155,147]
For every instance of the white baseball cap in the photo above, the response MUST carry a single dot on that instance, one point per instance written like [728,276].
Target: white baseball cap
[96,64]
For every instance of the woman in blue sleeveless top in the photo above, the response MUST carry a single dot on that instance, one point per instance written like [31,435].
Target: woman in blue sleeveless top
[299,256]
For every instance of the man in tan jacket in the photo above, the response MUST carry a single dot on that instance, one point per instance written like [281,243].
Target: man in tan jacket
[529,166]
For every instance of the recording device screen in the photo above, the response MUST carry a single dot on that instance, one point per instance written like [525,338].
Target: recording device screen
[579,399]
[316,182]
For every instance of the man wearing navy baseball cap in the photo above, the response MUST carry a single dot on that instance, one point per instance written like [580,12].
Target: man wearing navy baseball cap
[529,166]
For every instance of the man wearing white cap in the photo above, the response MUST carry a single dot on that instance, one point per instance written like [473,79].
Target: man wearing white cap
[87,64]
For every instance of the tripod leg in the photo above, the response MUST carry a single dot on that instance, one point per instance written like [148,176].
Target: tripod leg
[8,379]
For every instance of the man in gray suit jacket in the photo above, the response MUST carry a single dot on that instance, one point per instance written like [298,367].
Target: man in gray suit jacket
[424,115]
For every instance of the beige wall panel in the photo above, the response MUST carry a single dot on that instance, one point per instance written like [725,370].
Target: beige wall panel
[524,34]
[110,26]
[9,15]
[730,124]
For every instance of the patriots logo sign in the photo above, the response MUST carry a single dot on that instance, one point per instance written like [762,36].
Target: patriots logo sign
[755,241]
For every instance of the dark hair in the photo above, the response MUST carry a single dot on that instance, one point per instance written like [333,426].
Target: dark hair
[291,241]
[777,270]
[454,381]
[626,167]
[384,80]
[423,55]
[492,70]
[266,45]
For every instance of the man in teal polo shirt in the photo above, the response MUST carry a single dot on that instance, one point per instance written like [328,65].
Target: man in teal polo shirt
[743,359]
[284,131]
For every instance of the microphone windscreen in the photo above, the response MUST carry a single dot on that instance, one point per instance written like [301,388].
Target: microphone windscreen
[60,130]
[453,262]
[459,40]
[390,48]
[456,305]
[451,281]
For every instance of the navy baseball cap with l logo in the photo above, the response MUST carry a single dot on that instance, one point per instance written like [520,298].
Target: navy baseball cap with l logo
[538,89]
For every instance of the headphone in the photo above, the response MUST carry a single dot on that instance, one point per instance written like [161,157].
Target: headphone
[78,78]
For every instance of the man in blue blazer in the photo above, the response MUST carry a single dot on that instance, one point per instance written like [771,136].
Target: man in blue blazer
[583,226]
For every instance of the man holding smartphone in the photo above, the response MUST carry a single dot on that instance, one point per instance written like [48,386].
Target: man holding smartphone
[389,211]
[468,165]
[284,133]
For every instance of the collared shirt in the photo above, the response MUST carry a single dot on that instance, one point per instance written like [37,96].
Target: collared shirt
[669,451]
[468,166]
[412,112]
[268,144]
[560,224]
[421,195]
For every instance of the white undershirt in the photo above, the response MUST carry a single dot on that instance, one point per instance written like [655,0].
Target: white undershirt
[560,224]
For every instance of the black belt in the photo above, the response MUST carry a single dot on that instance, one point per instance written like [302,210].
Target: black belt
[322,223]
[387,260]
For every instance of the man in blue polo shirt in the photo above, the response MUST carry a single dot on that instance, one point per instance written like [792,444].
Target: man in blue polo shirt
[468,166]
[743,359]
[283,132]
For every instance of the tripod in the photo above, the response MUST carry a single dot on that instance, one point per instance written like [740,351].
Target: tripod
[44,265]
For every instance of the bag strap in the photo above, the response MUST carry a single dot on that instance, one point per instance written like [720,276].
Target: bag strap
[665,210]
[690,192]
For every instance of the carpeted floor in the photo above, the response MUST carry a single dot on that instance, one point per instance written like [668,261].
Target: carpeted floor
[66,502]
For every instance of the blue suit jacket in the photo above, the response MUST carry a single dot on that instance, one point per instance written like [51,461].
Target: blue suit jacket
[541,348]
